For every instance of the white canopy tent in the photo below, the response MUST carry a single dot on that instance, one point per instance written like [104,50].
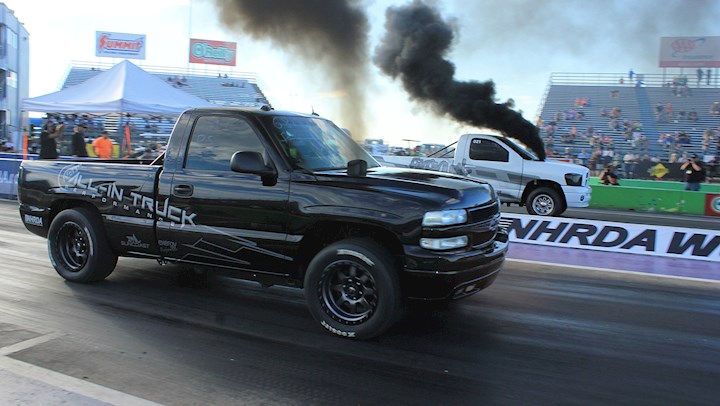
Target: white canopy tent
[125,88]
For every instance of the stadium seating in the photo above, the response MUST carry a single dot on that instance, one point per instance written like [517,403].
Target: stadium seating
[637,101]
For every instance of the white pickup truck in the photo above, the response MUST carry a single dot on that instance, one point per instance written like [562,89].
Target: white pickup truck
[546,188]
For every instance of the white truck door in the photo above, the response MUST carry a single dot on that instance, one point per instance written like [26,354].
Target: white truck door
[489,160]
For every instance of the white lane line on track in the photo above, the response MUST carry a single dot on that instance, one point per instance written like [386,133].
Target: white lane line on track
[23,345]
[61,381]
[592,268]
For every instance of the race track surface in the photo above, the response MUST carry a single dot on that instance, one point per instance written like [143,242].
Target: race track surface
[542,334]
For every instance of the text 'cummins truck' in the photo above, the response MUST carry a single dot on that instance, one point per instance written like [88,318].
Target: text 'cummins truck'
[278,198]
[545,188]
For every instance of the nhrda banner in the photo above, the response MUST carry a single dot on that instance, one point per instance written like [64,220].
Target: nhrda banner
[686,243]
[119,45]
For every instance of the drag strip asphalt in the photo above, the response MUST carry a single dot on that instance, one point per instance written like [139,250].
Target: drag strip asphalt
[541,334]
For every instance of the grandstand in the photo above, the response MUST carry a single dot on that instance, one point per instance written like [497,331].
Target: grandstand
[638,101]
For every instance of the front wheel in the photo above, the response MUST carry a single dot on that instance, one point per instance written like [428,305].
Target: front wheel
[544,201]
[352,289]
[78,247]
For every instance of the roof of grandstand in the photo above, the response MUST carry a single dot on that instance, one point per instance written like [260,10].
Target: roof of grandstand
[224,89]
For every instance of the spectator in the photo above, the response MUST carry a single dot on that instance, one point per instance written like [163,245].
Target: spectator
[78,141]
[48,136]
[583,157]
[715,109]
[103,146]
[708,137]
[629,165]
[607,156]
[683,138]
[694,173]
[608,177]
[595,159]
[707,77]
[699,74]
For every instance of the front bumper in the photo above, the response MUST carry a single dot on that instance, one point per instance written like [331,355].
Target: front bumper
[577,196]
[430,275]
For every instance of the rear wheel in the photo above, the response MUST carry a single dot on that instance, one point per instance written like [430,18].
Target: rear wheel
[78,247]
[352,289]
[544,201]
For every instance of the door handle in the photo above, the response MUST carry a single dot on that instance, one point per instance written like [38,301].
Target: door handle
[183,190]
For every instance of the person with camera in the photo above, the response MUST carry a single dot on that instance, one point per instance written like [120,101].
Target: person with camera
[608,176]
[694,173]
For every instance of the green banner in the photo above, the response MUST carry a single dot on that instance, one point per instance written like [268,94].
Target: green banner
[650,196]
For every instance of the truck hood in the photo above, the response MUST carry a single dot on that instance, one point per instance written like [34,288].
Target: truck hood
[430,188]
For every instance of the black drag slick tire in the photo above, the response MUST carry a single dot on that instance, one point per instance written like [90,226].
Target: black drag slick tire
[78,246]
[544,201]
[352,289]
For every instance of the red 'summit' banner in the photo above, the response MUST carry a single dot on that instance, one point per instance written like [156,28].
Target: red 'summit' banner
[712,204]
[212,52]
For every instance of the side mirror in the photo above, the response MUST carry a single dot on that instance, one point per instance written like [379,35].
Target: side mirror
[253,162]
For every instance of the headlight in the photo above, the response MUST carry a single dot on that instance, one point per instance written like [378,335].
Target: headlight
[444,243]
[573,179]
[444,218]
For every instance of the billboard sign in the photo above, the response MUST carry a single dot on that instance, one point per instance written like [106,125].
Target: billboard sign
[212,52]
[119,45]
[690,52]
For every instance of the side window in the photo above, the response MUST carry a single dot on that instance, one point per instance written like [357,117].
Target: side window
[487,150]
[215,139]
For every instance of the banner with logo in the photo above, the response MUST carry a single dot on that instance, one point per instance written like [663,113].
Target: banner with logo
[119,45]
[9,169]
[712,204]
[690,52]
[676,242]
[212,52]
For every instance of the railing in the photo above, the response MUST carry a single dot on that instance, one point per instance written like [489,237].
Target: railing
[622,79]
[249,76]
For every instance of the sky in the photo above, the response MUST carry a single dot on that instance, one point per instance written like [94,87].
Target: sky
[515,43]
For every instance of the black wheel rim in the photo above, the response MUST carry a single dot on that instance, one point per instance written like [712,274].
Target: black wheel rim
[349,292]
[73,246]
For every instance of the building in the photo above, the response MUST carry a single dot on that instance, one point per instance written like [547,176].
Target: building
[14,72]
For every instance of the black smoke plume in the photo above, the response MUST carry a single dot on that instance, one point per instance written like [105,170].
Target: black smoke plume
[413,49]
[328,36]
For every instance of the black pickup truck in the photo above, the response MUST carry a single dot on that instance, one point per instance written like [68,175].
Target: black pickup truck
[279,198]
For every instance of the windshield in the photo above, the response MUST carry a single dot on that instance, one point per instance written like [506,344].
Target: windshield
[524,153]
[315,144]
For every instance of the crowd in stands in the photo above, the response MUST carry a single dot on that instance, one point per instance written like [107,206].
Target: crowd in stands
[606,135]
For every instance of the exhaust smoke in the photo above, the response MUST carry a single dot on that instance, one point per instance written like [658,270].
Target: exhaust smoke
[326,35]
[413,49]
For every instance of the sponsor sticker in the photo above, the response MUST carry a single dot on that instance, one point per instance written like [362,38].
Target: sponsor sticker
[134,242]
[33,220]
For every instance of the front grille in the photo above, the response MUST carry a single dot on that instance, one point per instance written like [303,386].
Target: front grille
[486,221]
[480,214]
